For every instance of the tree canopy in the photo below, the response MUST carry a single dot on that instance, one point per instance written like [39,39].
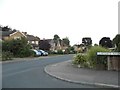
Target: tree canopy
[66,41]
[87,41]
[56,37]
[6,28]
[106,42]
[116,41]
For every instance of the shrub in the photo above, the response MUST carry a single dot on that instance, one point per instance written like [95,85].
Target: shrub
[7,56]
[97,60]
[80,59]
[26,53]
[59,52]
[19,47]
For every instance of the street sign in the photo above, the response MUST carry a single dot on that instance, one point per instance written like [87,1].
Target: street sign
[109,53]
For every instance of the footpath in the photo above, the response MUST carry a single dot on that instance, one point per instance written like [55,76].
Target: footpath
[68,72]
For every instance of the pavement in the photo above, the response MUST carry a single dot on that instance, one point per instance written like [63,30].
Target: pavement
[68,72]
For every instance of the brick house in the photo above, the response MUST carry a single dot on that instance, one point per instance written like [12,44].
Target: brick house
[9,35]
[33,41]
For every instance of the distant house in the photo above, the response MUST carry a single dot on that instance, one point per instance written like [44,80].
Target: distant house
[50,41]
[33,41]
[9,35]
[60,45]
[79,47]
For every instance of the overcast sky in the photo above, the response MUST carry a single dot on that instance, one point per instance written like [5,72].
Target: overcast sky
[67,18]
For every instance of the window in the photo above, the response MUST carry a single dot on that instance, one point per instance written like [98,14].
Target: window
[32,42]
[17,38]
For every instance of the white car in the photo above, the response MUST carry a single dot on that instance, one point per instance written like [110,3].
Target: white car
[43,53]
[37,53]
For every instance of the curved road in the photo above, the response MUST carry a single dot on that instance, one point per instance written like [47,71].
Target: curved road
[30,74]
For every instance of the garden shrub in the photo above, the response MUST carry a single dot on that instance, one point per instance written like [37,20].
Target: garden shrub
[26,53]
[91,59]
[18,47]
[80,59]
[97,60]
[7,56]
[59,52]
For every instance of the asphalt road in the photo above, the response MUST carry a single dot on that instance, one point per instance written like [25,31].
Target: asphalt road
[30,74]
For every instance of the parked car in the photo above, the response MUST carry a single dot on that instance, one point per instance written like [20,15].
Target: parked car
[43,53]
[36,52]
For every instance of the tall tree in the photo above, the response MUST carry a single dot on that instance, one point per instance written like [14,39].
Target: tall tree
[66,41]
[87,41]
[106,42]
[56,39]
[6,28]
[116,41]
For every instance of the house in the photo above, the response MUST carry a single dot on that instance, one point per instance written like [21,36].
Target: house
[79,47]
[9,35]
[47,41]
[60,45]
[33,41]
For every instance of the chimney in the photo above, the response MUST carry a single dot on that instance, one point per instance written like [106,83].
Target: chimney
[24,33]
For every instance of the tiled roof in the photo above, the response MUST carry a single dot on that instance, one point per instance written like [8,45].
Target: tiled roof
[49,40]
[32,38]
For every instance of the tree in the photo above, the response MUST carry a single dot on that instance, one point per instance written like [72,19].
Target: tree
[6,28]
[87,41]
[56,39]
[66,41]
[106,42]
[95,44]
[44,45]
[116,41]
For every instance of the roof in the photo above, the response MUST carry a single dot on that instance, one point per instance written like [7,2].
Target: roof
[7,33]
[49,40]
[32,38]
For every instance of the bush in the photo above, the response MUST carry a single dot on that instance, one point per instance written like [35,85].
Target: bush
[26,53]
[19,47]
[91,59]
[81,59]
[59,52]
[95,60]
[7,56]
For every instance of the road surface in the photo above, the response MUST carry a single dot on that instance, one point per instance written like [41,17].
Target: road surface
[30,74]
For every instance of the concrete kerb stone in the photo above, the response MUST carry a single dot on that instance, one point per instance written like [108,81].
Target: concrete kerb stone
[79,82]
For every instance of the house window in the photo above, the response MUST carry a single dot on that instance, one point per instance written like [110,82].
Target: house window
[16,37]
[32,42]
[36,42]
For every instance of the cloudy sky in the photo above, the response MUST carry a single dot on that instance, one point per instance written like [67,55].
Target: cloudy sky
[67,18]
